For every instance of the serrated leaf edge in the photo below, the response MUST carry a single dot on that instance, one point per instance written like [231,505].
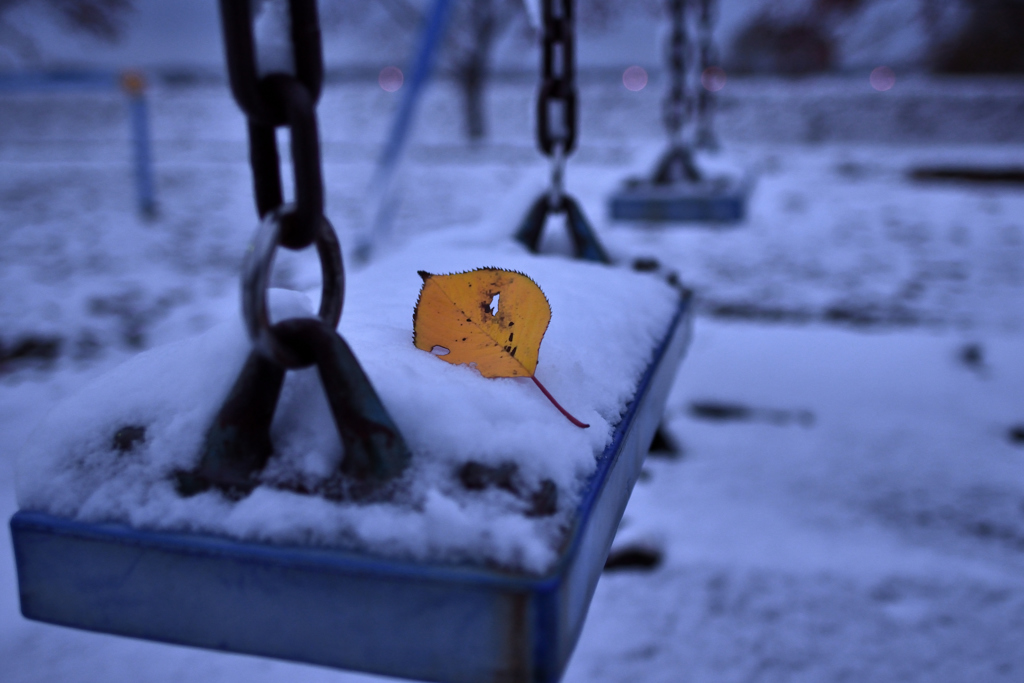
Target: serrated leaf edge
[426,276]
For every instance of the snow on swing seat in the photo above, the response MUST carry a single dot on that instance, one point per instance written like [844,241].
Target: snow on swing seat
[451,577]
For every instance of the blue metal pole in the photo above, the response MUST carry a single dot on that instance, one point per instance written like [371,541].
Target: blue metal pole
[135,86]
[420,73]
[422,64]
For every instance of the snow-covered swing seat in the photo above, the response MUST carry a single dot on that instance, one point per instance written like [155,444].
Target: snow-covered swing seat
[475,560]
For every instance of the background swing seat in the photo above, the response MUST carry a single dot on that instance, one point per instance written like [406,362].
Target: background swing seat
[719,199]
[437,622]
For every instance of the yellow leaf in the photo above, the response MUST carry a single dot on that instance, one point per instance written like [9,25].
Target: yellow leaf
[454,312]
[489,317]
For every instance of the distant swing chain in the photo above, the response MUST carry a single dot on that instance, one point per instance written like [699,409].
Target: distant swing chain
[677,105]
[556,134]
[705,135]
[557,101]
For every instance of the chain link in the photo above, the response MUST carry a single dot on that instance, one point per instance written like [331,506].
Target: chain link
[556,102]
[705,137]
[259,99]
[556,134]
[556,192]
[238,443]
[270,102]
[256,271]
[677,105]
[277,100]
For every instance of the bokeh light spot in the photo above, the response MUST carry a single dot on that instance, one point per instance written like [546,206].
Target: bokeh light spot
[391,78]
[882,78]
[634,78]
[713,78]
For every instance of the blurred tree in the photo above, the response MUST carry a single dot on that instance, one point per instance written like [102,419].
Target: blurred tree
[475,28]
[474,31]
[964,36]
[786,46]
[102,19]
[792,38]
[990,39]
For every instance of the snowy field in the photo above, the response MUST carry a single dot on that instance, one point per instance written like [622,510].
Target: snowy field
[848,499]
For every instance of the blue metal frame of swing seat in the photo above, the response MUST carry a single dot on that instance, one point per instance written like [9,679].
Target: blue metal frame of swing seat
[435,622]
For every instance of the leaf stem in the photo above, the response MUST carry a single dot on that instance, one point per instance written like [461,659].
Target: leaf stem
[560,408]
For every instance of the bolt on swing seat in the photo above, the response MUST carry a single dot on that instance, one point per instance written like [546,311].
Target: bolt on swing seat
[446,620]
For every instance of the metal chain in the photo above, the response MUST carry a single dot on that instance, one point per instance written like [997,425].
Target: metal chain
[277,100]
[677,106]
[238,443]
[556,134]
[705,136]
[557,100]
[270,102]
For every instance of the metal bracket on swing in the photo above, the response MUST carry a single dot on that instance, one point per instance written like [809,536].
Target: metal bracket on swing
[676,166]
[238,444]
[585,243]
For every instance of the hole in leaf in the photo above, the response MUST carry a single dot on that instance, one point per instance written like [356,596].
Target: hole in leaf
[440,351]
[494,304]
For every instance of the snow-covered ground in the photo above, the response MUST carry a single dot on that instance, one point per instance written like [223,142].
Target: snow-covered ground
[848,503]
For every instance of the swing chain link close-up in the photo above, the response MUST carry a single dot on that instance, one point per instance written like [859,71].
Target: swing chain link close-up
[275,100]
[269,102]
[238,444]
[677,106]
[557,100]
